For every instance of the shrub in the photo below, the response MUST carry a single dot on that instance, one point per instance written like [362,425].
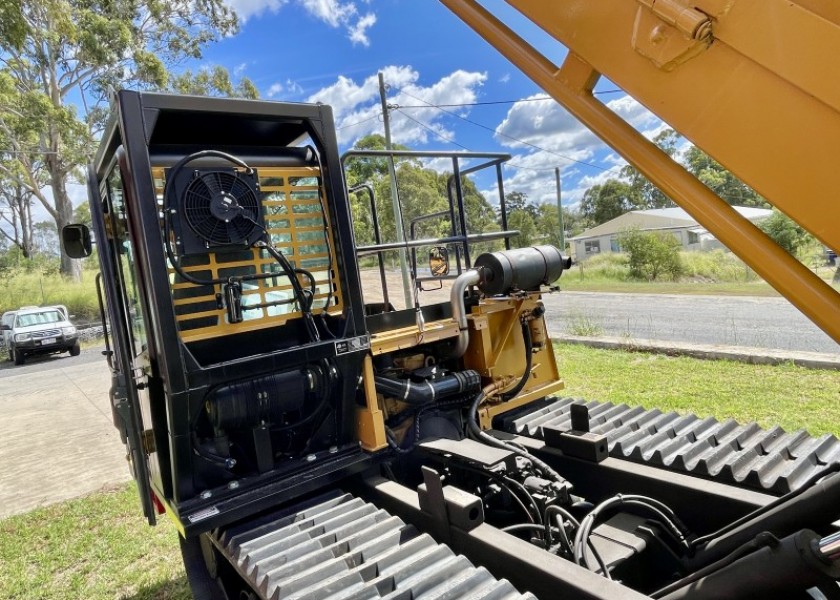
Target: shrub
[784,232]
[651,254]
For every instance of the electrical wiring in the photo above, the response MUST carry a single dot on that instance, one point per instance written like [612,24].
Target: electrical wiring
[496,132]
[495,102]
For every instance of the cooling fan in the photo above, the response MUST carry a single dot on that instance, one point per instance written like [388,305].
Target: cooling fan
[218,208]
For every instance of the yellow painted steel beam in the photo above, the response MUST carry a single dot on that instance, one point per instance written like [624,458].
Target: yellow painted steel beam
[572,86]
[762,98]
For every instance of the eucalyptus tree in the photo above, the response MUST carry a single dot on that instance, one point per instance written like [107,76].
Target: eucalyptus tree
[60,61]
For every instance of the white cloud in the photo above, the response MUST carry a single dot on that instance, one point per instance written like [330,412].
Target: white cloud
[246,9]
[543,136]
[239,69]
[332,12]
[356,105]
[293,87]
[504,78]
[545,124]
[289,88]
[358,31]
[335,13]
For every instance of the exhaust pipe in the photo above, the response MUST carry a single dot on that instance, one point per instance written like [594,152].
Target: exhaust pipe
[459,310]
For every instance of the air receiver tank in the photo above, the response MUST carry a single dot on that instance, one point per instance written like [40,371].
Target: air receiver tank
[521,269]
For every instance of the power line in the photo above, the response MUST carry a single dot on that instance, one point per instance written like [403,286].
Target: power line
[437,133]
[487,103]
[376,116]
[494,102]
[510,137]
[451,141]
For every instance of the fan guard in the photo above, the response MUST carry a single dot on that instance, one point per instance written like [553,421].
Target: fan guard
[222,207]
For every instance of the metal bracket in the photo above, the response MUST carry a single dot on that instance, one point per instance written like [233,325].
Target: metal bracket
[670,32]
[448,506]
[149,446]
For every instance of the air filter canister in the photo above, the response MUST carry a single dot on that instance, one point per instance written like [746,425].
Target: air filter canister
[521,269]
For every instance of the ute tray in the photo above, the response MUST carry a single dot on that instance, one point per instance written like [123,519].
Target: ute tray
[343,548]
[768,460]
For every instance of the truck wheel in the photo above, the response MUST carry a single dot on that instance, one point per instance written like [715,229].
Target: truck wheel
[19,357]
[202,583]
[75,350]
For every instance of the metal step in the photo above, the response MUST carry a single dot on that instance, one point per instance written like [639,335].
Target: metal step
[768,460]
[344,548]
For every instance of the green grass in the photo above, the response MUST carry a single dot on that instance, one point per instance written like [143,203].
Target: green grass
[787,395]
[710,273]
[95,547]
[33,288]
[99,547]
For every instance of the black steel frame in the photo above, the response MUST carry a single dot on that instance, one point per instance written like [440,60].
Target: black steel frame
[460,236]
[164,394]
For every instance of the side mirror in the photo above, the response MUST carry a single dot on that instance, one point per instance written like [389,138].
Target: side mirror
[76,240]
[439,261]
[5,327]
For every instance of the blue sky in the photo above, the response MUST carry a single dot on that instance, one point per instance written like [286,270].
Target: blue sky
[331,51]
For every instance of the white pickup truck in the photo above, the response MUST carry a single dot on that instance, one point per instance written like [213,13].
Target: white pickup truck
[38,330]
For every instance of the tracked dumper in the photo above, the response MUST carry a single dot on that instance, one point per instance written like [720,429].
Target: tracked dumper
[310,440]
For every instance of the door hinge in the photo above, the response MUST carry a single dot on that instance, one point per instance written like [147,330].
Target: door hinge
[670,32]
[691,22]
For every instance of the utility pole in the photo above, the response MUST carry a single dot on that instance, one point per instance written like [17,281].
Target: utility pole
[560,212]
[395,200]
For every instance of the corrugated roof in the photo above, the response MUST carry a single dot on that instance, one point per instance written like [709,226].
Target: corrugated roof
[660,218]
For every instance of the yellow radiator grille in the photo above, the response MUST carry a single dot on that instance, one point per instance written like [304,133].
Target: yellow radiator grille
[292,209]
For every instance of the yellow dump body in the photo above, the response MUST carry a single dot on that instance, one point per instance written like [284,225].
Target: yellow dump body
[754,83]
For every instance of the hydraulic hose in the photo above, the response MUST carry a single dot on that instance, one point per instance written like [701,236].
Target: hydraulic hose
[478,435]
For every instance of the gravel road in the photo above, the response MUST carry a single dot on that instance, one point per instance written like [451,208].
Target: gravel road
[729,320]
[749,321]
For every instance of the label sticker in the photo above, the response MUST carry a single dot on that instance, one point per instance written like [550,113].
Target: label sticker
[361,342]
[204,514]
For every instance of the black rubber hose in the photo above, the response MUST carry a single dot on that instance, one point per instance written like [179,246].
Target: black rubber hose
[291,273]
[529,347]
[428,391]
[523,527]
[479,435]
